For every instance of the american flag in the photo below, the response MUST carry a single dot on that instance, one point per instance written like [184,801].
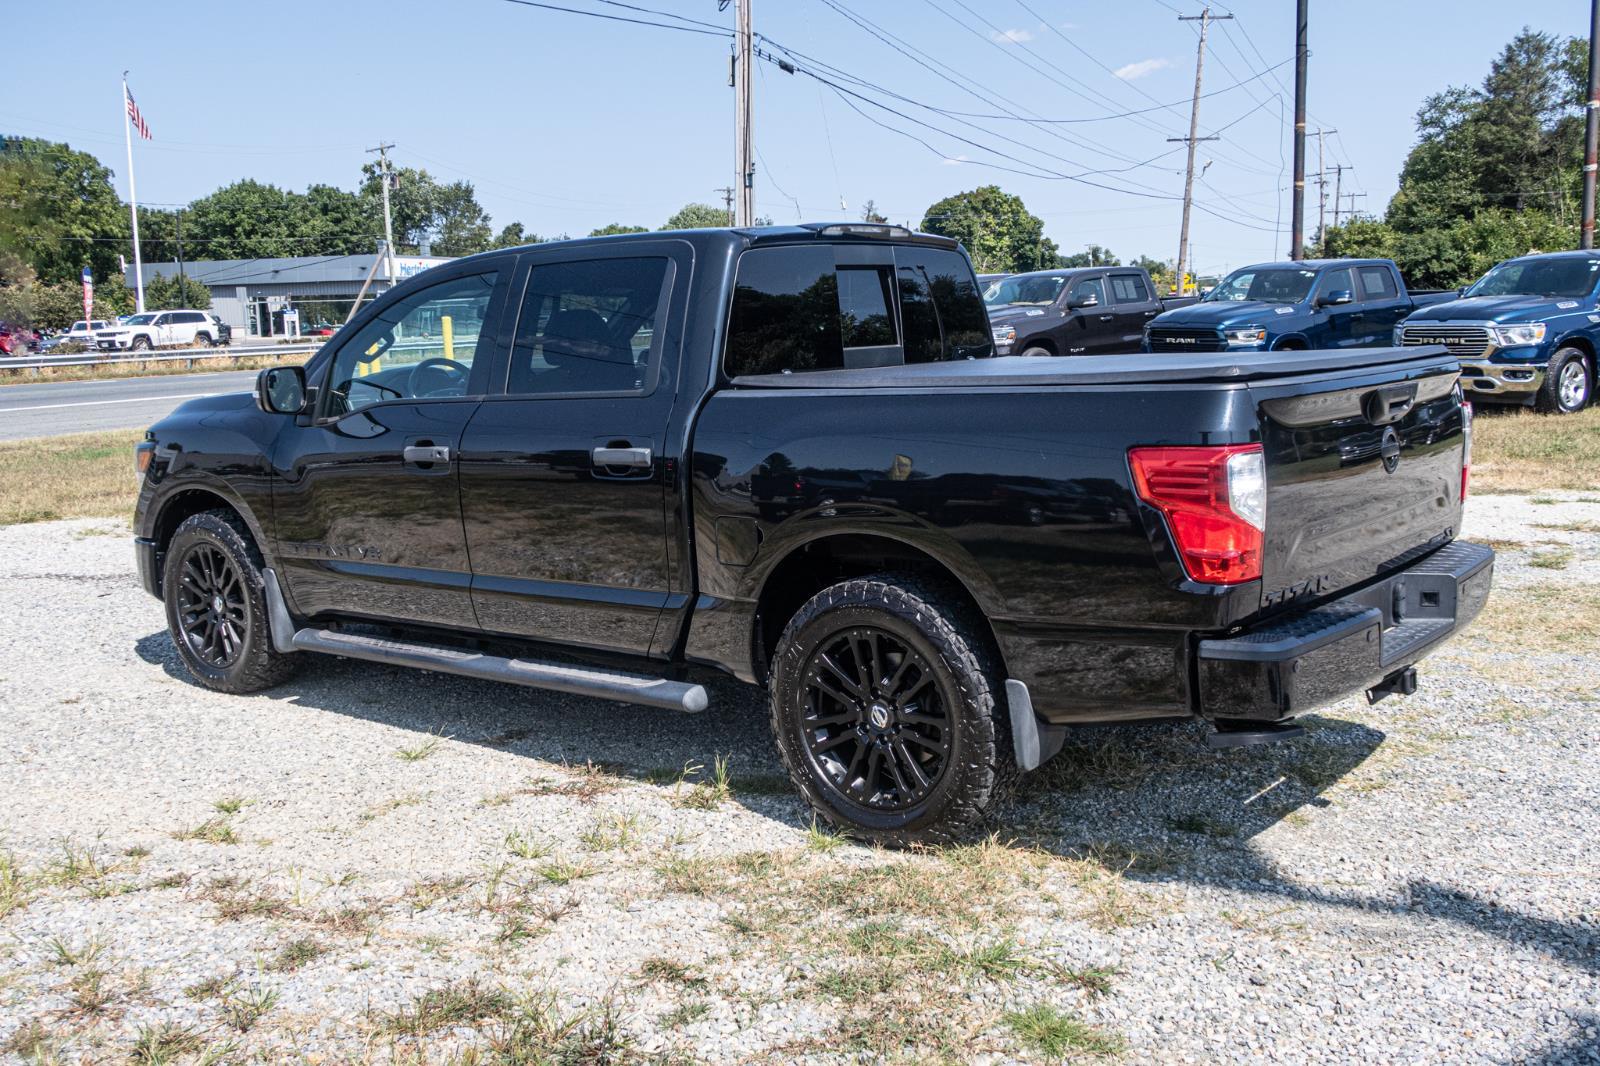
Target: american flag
[133,113]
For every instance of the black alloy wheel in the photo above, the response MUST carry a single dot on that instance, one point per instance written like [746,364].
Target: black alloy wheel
[876,727]
[211,605]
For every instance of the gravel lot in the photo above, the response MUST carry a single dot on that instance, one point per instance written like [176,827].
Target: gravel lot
[376,864]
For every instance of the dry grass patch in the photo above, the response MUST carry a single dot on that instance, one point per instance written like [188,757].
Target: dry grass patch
[82,475]
[145,369]
[1520,451]
[1560,618]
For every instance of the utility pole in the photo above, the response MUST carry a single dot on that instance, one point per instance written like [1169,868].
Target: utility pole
[183,288]
[1297,223]
[1205,18]
[1322,186]
[1338,197]
[744,140]
[727,199]
[1352,197]
[1591,130]
[388,222]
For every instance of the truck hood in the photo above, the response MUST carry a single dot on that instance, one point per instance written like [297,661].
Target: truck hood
[198,409]
[1499,309]
[1220,314]
[1016,314]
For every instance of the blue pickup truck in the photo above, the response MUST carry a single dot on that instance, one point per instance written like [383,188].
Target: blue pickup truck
[1526,332]
[1293,306]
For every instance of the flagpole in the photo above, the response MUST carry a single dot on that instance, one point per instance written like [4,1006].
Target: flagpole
[133,201]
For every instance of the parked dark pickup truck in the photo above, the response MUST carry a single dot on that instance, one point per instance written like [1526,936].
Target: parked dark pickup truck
[787,454]
[1081,311]
[1295,306]
[1527,332]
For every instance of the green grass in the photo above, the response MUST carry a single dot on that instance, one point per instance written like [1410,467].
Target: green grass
[1053,1032]
[82,475]
[1521,451]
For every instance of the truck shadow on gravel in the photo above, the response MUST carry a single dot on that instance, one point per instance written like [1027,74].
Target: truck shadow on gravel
[1147,802]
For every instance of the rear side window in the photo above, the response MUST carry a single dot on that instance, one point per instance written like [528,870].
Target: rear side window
[795,310]
[1129,289]
[589,327]
[785,312]
[1377,283]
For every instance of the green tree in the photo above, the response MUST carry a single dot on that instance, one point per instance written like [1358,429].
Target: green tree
[698,216]
[58,210]
[1093,256]
[614,228]
[163,293]
[996,228]
[246,220]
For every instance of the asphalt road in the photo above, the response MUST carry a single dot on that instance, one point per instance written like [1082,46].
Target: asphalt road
[52,408]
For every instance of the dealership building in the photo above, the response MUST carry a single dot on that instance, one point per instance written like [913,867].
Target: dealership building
[252,295]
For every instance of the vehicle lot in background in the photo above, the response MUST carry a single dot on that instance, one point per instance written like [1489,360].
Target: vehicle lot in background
[1526,332]
[163,329]
[373,859]
[1294,306]
[1081,311]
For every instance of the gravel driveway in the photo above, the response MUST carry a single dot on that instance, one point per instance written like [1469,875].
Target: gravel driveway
[377,864]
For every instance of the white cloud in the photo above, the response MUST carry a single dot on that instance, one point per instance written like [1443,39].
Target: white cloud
[1012,36]
[1141,68]
[954,160]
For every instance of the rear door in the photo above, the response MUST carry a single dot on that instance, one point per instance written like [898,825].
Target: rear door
[1134,305]
[1363,472]
[563,473]
[1382,304]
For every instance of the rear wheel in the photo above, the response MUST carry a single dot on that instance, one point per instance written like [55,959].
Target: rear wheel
[216,605]
[1568,383]
[885,707]
[203,339]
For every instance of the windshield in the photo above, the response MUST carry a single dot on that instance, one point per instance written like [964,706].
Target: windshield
[1286,285]
[1037,289]
[1539,277]
[139,320]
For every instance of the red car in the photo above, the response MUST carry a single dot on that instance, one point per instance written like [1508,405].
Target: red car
[16,340]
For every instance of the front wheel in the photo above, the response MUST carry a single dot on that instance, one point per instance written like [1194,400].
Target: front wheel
[1567,384]
[885,707]
[216,605]
[141,344]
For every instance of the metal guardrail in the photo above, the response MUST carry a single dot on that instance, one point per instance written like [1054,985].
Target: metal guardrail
[189,356]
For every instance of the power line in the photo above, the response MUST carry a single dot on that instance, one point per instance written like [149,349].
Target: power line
[624,18]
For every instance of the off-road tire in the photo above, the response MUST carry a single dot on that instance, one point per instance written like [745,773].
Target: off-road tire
[1551,398]
[948,635]
[256,665]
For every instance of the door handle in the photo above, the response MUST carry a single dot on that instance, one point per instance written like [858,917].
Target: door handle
[1107,318]
[426,453]
[634,457]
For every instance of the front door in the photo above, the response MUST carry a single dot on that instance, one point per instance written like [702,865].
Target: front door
[564,478]
[1091,322]
[1342,326]
[366,503]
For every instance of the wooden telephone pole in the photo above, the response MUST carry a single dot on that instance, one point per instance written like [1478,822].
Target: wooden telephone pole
[1205,18]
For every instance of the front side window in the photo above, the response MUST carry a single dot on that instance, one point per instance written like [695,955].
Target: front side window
[1034,290]
[421,347]
[1085,291]
[1334,281]
[589,326]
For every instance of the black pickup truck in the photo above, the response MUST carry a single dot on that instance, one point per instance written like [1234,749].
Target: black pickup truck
[1076,311]
[788,454]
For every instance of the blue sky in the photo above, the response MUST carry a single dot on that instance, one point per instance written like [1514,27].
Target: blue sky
[566,123]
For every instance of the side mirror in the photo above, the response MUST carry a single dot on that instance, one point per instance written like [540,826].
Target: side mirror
[1336,297]
[281,390]
[1088,300]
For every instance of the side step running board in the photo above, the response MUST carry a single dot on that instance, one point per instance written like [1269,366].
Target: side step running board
[627,688]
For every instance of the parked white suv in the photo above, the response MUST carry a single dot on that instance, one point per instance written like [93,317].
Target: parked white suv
[161,329]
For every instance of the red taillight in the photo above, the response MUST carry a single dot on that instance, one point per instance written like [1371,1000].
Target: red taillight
[1214,500]
[1466,446]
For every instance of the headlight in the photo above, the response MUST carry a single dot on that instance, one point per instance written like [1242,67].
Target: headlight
[1512,336]
[1247,335]
[1399,337]
[1005,334]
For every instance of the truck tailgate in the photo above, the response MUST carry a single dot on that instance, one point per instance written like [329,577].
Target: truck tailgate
[1363,475]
